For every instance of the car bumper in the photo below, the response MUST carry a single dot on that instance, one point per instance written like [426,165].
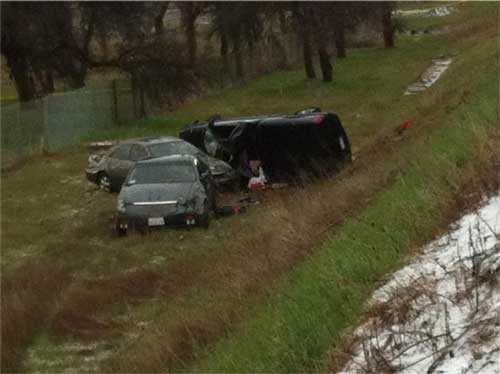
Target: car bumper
[126,222]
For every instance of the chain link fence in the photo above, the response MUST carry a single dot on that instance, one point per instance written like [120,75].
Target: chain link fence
[62,119]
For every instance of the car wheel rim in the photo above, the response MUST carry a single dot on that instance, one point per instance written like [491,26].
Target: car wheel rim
[104,183]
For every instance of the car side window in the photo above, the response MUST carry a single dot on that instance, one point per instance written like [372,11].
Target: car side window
[122,152]
[138,153]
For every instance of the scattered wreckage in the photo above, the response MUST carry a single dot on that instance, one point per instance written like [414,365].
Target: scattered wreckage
[167,191]
[109,169]
[276,148]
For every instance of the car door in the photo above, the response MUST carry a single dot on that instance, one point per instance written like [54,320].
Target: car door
[119,164]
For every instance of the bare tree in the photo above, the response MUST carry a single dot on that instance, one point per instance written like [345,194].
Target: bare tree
[388,26]
[238,25]
[190,11]
[302,16]
[34,41]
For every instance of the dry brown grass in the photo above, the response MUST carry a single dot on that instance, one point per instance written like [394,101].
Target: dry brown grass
[245,267]
[28,300]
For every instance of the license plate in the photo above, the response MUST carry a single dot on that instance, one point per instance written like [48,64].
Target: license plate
[156,221]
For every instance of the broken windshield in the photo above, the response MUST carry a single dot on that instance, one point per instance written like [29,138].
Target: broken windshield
[171,172]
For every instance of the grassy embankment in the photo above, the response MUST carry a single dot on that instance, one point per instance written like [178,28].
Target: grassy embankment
[189,294]
[324,296]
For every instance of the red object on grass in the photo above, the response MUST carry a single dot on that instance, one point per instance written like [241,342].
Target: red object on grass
[405,125]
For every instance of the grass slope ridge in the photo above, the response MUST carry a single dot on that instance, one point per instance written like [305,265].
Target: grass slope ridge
[325,295]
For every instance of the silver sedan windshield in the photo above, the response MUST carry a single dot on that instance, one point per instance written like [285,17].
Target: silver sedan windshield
[171,172]
[173,148]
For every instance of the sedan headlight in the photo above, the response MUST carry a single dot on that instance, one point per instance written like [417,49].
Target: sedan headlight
[121,206]
[95,158]
[220,168]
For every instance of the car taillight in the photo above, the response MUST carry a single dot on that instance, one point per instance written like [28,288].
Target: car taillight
[190,219]
[318,120]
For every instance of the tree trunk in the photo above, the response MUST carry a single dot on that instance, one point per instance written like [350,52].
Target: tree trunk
[138,95]
[283,22]
[49,81]
[387,27]
[20,71]
[77,80]
[191,38]
[307,51]
[46,81]
[280,50]
[238,58]
[340,40]
[75,73]
[251,58]
[142,96]
[223,53]
[326,66]
[159,18]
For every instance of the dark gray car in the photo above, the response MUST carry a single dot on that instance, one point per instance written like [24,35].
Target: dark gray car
[166,191]
[109,170]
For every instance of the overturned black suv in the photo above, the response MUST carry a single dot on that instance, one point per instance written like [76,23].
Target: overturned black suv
[310,143]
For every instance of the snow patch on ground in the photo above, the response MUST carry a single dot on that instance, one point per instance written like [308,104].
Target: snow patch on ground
[430,76]
[441,313]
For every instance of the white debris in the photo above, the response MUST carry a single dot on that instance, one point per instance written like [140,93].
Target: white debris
[103,144]
[439,12]
[428,12]
[430,76]
[441,313]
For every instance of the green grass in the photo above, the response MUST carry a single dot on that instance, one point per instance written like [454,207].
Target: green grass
[321,298]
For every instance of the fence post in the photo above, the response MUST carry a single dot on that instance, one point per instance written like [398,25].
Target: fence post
[18,132]
[115,102]
[45,113]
